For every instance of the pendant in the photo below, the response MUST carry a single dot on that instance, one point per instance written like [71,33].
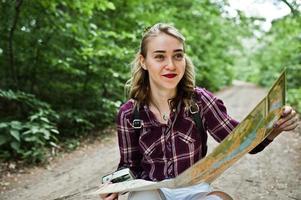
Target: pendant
[165,117]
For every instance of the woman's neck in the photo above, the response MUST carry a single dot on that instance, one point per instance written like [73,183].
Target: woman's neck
[159,104]
[161,99]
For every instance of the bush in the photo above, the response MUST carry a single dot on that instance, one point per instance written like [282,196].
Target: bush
[74,123]
[294,98]
[29,138]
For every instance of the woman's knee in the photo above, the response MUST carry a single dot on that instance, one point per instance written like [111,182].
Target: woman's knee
[218,195]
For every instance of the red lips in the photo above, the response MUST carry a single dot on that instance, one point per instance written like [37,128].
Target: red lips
[170,75]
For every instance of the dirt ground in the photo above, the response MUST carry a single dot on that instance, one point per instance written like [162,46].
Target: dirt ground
[272,174]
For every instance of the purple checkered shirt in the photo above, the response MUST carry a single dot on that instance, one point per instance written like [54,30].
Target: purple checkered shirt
[161,151]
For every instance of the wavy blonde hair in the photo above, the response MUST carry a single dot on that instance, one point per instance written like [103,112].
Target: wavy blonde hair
[138,88]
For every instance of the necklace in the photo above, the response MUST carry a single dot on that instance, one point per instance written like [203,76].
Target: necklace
[163,115]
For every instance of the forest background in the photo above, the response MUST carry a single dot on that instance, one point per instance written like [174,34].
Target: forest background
[64,63]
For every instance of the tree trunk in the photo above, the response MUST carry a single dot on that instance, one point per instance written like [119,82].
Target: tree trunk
[14,71]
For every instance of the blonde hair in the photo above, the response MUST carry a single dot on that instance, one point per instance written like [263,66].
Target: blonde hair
[137,87]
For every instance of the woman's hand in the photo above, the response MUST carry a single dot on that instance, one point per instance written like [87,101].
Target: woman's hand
[112,196]
[287,122]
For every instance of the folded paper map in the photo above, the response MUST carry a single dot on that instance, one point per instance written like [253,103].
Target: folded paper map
[247,135]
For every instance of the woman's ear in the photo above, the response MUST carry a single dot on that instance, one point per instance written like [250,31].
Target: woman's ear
[142,62]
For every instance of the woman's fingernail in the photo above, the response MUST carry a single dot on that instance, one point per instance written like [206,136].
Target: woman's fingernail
[284,111]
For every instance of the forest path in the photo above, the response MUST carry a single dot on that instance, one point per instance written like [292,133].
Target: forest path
[274,173]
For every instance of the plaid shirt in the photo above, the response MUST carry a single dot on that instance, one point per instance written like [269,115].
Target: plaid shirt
[161,151]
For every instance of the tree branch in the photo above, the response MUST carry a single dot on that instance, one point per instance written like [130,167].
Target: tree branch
[291,7]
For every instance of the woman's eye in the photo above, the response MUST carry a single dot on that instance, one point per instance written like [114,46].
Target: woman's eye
[179,56]
[159,57]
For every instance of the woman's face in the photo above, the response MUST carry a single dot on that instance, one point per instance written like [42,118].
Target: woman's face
[164,61]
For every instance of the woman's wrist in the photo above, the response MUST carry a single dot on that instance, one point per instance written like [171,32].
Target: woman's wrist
[273,134]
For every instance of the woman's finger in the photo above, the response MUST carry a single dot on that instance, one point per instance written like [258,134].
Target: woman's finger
[292,122]
[286,118]
[112,196]
[290,127]
[286,111]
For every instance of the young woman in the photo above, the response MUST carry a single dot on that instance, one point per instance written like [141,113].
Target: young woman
[162,90]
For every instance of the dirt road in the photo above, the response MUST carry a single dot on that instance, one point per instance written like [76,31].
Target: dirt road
[274,173]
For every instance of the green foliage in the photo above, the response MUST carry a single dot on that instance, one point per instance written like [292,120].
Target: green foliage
[294,98]
[26,138]
[279,48]
[282,49]
[71,59]
[71,144]
[74,123]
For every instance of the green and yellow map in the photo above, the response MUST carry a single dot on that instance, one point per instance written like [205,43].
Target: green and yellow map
[247,135]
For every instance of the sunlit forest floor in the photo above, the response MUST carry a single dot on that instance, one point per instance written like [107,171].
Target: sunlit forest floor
[274,173]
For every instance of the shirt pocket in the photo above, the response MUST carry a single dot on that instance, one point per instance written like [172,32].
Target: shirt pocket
[151,145]
[185,145]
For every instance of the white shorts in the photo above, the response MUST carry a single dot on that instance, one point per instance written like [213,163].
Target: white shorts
[195,192]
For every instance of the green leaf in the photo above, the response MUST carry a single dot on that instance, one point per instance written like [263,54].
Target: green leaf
[35,129]
[46,134]
[3,125]
[45,119]
[16,125]
[15,134]
[54,131]
[111,6]
[30,139]
[15,145]
[53,144]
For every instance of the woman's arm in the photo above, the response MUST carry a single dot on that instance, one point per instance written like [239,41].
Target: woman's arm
[220,124]
[214,115]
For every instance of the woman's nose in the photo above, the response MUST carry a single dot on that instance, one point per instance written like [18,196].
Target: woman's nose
[170,64]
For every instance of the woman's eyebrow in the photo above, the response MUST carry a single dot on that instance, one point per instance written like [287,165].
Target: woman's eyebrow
[159,51]
[178,50]
[163,51]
